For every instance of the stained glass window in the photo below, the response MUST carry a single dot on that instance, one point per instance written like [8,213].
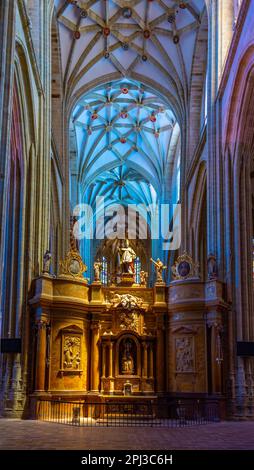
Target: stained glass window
[137,270]
[104,271]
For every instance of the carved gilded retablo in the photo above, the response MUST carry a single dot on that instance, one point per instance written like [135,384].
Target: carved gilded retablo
[73,265]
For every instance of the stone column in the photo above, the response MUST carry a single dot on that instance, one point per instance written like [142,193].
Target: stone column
[7,66]
[41,355]
[95,373]
[145,347]
[227,21]
[216,359]
[220,31]
[48,356]
[212,88]
[216,355]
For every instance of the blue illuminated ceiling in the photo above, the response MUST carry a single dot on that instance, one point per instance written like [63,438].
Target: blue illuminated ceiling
[126,137]
[125,44]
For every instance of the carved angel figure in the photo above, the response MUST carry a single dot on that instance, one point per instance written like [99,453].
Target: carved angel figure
[127,301]
[143,278]
[47,262]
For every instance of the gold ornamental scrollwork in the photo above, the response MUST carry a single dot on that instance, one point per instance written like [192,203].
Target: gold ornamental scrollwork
[73,265]
[129,320]
[185,268]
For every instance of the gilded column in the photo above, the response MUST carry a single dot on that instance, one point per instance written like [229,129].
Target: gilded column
[151,362]
[95,373]
[41,355]
[103,361]
[160,370]
[145,347]
[110,359]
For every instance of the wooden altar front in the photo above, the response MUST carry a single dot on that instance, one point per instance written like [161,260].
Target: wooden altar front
[90,342]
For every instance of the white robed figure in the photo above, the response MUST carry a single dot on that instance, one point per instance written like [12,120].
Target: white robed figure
[128,257]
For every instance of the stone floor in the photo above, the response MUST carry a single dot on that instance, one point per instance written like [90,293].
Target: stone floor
[19,435]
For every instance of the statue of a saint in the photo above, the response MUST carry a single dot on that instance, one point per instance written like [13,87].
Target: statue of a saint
[97,270]
[143,278]
[127,364]
[127,361]
[47,262]
[212,267]
[159,266]
[128,256]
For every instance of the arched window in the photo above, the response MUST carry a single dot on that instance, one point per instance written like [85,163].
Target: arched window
[104,271]
[137,265]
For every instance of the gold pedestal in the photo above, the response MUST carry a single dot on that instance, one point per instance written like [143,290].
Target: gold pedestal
[96,293]
[127,279]
[160,294]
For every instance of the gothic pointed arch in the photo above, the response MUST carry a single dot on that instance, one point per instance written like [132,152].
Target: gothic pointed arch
[197,217]
[19,228]
[198,85]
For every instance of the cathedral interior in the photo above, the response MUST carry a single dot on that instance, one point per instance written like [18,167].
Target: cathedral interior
[126,202]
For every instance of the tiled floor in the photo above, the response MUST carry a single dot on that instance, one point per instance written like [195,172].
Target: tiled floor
[17,434]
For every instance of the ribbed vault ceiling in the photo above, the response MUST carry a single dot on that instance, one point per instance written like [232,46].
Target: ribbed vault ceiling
[154,39]
[126,136]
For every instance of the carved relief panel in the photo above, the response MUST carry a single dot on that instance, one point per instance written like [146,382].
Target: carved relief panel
[71,355]
[184,354]
[71,350]
[128,320]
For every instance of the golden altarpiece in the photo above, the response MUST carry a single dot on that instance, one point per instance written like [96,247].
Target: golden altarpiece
[126,340]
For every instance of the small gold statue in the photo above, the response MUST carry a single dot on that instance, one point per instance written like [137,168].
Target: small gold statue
[143,278]
[127,364]
[159,266]
[97,270]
